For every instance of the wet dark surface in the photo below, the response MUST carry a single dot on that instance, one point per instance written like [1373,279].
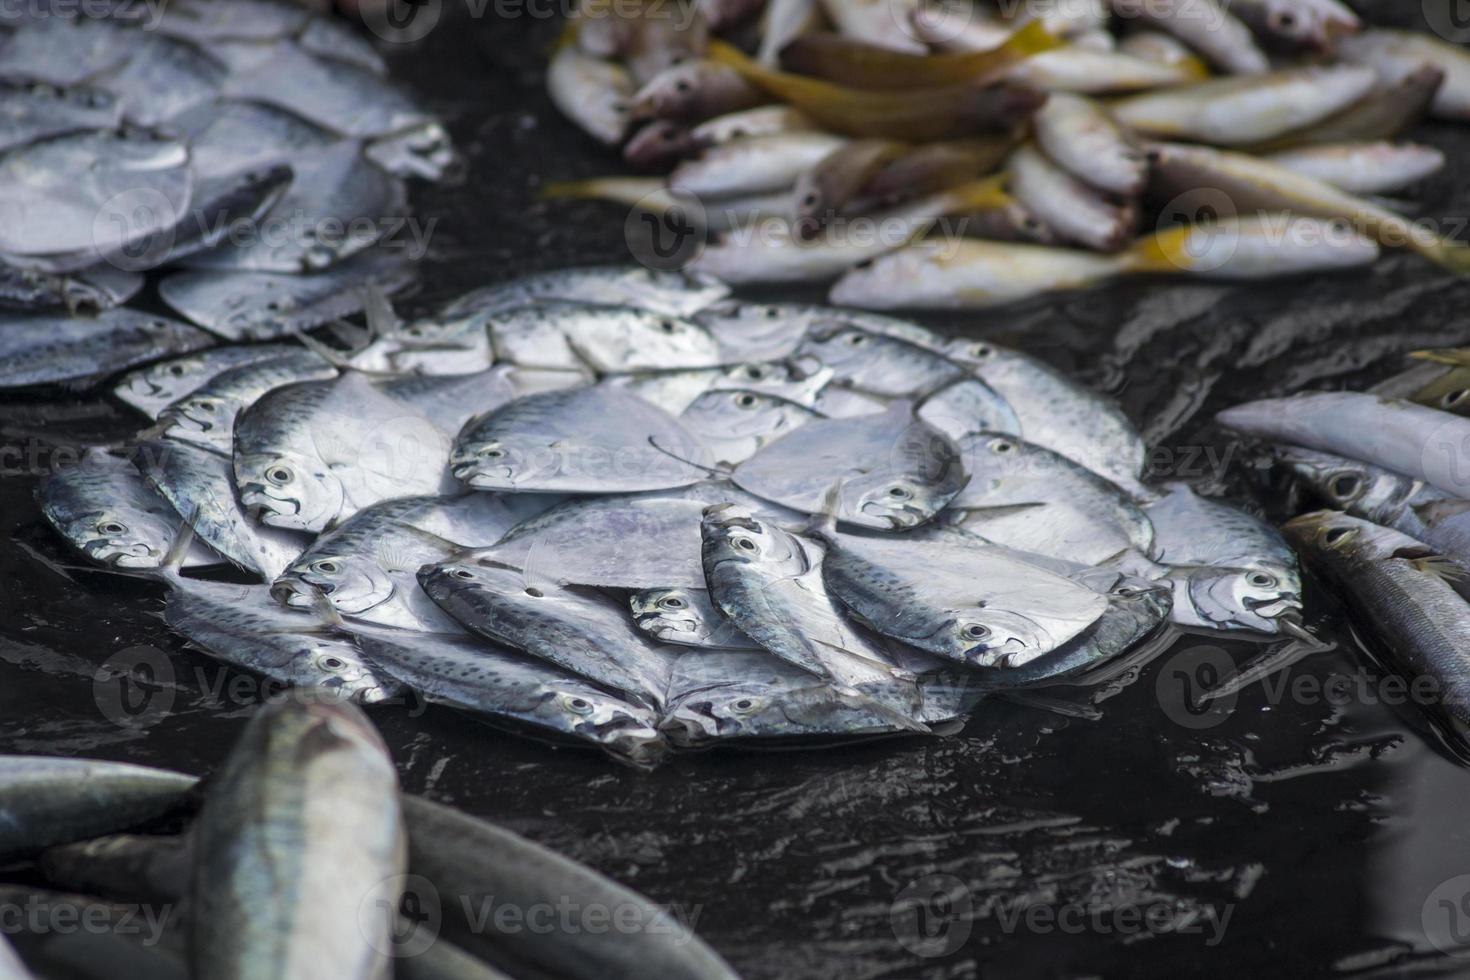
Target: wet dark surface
[1289,832]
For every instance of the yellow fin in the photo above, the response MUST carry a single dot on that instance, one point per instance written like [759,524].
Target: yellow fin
[1161,252]
[986,194]
[1440,567]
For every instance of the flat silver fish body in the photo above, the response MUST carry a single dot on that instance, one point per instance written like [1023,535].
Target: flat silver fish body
[86,291]
[759,331]
[735,425]
[475,675]
[199,484]
[673,293]
[227,136]
[450,401]
[603,338]
[206,416]
[66,51]
[310,787]
[239,20]
[675,391]
[967,407]
[585,440]
[577,629]
[163,78]
[31,111]
[893,470]
[106,510]
[46,348]
[312,454]
[875,363]
[688,617]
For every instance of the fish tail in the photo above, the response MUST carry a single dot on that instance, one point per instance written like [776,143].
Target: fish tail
[986,194]
[1033,38]
[1454,256]
[593,188]
[1162,252]
[1452,356]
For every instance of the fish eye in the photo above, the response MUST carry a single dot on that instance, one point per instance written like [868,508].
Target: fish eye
[492,453]
[745,400]
[206,406]
[177,370]
[535,593]
[856,339]
[1261,580]
[982,350]
[755,372]
[1285,19]
[333,663]
[810,200]
[1002,446]
[279,475]
[1455,397]
[111,527]
[668,326]
[772,312]
[1344,486]
[681,86]
[899,493]
[326,565]
[414,331]
[1338,535]
[1127,591]
[672,602]
[744,705]
[976,631]
[577,705]
[745,544]
[462,573]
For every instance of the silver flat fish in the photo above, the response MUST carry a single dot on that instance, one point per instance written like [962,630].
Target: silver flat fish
[206,416]
[46,348]
[30,112]
[673,293]
[152,389]
[163,78]
[689,618]
[735,425]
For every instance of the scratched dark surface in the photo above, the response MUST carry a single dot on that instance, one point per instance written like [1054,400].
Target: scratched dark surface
[1287,835]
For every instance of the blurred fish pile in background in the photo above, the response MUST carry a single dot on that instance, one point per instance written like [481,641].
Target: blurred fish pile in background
[968,155]
[172,877]
[615,505]
[248,156]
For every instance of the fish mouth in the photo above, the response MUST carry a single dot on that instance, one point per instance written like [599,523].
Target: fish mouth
[687,728]
[640,746]
[1011,653]
[255,495]
[289,592]
[116,555]
[477,474]
[898,520]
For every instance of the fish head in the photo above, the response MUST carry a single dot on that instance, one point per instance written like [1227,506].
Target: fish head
[289,490]
[673,93]
[923,473]
[734,535]
[1247,598]
[658,145]
[332,666]
[200,417]
[749,418]
[354,583]
[122,539]
[465,574]
[499,464]
[990,637]
[1333,534]
[675,616]
[839,346]
[627,730]
[723,711]
[160,383]
[1147,601]
[635,339]
[1342,483]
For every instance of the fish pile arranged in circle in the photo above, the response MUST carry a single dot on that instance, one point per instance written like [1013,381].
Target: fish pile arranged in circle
[969,155]
[614,504]
[252,153]
[172,877]
[1390,470]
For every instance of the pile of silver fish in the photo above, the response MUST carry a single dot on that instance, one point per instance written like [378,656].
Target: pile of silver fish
[613,505]
[1390,468]
[300,860]
[969,155]
[253,153]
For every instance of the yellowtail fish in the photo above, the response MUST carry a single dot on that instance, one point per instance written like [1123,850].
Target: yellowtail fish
[694,91]
[1078,69]
[1397,53]
[1083,138]
[1075,210]
[1391,109]
[867,66]
[753,165]
[1204,25]
[1164,49]
[1364,168]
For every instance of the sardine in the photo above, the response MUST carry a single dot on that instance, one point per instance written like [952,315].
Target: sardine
[687,617]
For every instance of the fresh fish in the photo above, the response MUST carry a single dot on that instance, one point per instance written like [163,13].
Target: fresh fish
[575,628]
[882,25]
[1449,391]
[480,863]
[221,207]
[1398,591]
[1024,496]
[348,100]
[956,597]
[1241,111]
[47,348]
[758,331]
[782,22]
[87,291]
[36,111]
[963,408]
[263,306]
[936,167]
[50,801]
[773,252]
[107,511]
[125,867]
[1372,493]
[1011,223]
[450,401]
[1073,208]
[368,575]
[163,78]
[238,20]
[659,40]
[332,38]
[687,617]
[913,115]
[1083,138]
[693,91]
[593,93]
[1312,24]
[1418,442]
[769,584]
[672,293]
[1090,72]
[1234,571]
[768,120]
[588,440]
[310,787]
[312,454]
[753,165]
[1164,49]
[894,471]
[606,339]
[1057,413]
[1390,110]
[206,416]
[656,146]
[878,364]
[734,425]
[199,485]
[66,51]
[473,675]
[825,190]
[227,136]
[338,204]
[72,199]
[1205,25]
[1395,54]
[1364,168]
[675,391]
[847,60]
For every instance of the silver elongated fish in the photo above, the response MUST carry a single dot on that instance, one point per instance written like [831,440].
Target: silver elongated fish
[1419,442]
[1396,54]
[592,92]
[673,293]
[484,863]
[107,511]
[577,629]
[956,597]
[876,363]
[893,471]
[1205,25]
[206,416]
[1399,594]
[152,389]
[1028,497]
[769,583]
[472,674]
[687,617]
[587,440]
[47,348]
[1073,208]
[199,485]
[310,787]
[1364,168]
[754,165]
[605,338]
[1083,137]
[312,454]
[49,801]
[1311,24]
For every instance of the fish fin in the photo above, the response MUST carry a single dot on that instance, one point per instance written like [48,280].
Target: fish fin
[376,308]
[1453,356]
[1435,511]
[1032,38]
[322,608]
[985,194]
[894,671]
[1438,566]
[620,189]
[326,352]
[1453,256]
[1273,661]
[824,521]
[173,559]
[1162,252]
[858,699]
[1056,706]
